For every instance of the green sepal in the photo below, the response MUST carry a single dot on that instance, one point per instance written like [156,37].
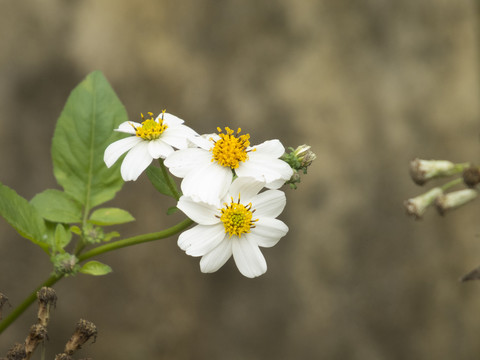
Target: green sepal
[95,268]
[158,180]
[110,216]
[23,217]
[58,206]
[84,129]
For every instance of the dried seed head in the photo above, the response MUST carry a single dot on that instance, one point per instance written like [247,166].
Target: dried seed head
[37,335]
[84,330]
[63,356]
[17,352]
[471,176]
[46,299]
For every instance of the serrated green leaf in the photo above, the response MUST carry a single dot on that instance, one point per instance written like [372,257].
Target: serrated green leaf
[83,131]
[95,268]
[57,206]
[157,178]
[23,217]
[110,216]
[62,238]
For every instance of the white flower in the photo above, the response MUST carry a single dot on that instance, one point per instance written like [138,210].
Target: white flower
[246,221]
[208,170]
[152,139]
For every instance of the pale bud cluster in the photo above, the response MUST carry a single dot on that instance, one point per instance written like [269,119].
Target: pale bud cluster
[423,171]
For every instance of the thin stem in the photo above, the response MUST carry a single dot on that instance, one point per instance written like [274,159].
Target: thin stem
[27,302]
[450,184]
[168,178]
[135,240]
[89,254]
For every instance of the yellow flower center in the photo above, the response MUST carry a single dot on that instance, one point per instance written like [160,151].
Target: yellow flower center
[150,129]
[230,149]
[237,218]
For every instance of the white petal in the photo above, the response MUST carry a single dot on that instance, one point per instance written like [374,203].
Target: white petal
[271,148]
[269,203]
[204,141]
[209,183]
[277,184]
[265,168]
[118,148]
[246,187]
[216,258]
[157,148]
[137,160]
[267,232]
[248,257]
[178,136]
[128,127]
[181,162]
[201,239]
[200,212]
[169,119]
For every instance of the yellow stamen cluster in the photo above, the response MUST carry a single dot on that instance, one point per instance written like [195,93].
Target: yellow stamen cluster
[237,218]
[230,149]
[150,129]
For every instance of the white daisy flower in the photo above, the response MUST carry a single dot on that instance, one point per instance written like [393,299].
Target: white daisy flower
[153,139]
[208,170]
[245,222]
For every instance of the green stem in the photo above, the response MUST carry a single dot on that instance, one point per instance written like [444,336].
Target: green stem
[89,254]
[450,184]
[27,302]
[168,178]
[135,240]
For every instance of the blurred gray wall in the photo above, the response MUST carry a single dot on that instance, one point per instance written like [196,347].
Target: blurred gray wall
[370,84]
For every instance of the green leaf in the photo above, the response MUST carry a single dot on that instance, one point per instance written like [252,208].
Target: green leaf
[57,206]
[62,238]
[95,268]
[23,217]
[83,131]
[158,180]
[171,210]
[110,216]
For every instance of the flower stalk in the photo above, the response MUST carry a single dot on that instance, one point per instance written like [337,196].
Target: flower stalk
[135,240]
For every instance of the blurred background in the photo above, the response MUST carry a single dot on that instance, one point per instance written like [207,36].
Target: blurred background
[369,84]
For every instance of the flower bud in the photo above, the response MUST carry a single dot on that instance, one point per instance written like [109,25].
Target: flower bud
[65,264]
[454,199]
[298,159]
[417,206]
[423,170]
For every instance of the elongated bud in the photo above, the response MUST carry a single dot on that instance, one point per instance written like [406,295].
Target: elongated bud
[423,170]
[454,199]
[417,206]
